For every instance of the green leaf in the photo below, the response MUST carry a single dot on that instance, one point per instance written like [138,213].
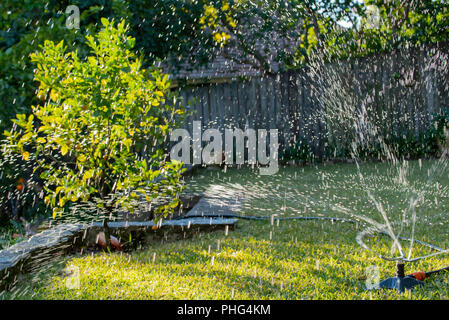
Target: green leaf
[105,22]
[88,174]
[64,149]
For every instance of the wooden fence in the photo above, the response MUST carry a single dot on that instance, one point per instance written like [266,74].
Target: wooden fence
[399,92]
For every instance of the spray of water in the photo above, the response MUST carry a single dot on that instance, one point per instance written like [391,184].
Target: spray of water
[354,117]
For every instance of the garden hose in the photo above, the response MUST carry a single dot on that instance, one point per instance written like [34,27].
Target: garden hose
[420,275]
[236,216]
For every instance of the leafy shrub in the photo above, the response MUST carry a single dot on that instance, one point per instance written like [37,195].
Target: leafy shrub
[12,233]
[21,192]
[436,135]
[24,26]
[300,151]
[100,135]
[409,146]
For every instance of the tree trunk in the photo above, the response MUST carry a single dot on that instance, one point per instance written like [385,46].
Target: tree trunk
[107,234]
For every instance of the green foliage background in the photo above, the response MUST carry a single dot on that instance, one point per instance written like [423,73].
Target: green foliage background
[100,135]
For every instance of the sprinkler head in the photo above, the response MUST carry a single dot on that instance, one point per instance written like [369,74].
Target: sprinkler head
[400,282]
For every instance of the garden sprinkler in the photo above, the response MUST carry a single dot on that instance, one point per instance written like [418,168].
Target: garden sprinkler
[401,281]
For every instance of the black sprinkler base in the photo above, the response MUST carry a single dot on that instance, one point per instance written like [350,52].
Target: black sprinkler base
[400,283]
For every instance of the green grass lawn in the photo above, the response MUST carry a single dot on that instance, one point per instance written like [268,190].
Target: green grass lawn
[268,260]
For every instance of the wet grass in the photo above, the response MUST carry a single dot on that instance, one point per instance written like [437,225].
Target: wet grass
[270,260]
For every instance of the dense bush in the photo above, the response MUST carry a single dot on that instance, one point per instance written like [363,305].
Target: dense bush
[100,135]
[26,25]
[300,152]
[21,193]
[410,146]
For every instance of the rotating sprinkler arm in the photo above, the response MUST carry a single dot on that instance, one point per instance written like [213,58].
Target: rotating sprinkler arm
[401,258]
[359,240]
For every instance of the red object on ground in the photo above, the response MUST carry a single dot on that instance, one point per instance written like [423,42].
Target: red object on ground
[419,275]
[115,243]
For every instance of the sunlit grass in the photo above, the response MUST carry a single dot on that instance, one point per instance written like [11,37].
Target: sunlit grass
[270,260]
